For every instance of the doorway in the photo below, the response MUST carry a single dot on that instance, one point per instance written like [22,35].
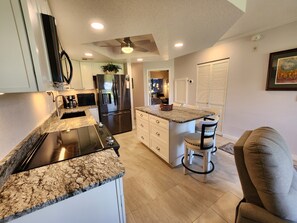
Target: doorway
[158,87]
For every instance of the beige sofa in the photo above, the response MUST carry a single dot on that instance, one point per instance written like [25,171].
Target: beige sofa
[267,176]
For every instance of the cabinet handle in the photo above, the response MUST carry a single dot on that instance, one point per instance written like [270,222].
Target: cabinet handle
[141,115]
[141,125]
[158,134]
[142,137]
[158,148]
[157,121]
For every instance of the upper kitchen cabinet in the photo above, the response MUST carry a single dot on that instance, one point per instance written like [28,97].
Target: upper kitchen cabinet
[76,82]
[90,69]
[87,75]
[24,63]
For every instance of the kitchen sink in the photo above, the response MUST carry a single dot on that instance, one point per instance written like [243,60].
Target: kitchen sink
[73,114]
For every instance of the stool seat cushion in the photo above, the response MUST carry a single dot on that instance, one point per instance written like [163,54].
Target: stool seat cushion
[195,140]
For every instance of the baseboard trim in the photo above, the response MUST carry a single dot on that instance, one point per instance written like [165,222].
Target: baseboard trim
[230,137]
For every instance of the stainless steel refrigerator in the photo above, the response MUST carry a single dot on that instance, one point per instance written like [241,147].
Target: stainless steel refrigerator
[114,102]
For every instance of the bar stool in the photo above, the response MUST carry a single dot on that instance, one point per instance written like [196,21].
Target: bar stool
[202,143]
[198,128]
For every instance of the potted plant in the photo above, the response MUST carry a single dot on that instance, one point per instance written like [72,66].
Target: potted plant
[110,68]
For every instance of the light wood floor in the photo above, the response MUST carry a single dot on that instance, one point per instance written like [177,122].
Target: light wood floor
[155,192]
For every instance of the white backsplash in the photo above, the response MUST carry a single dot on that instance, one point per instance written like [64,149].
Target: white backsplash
[20,114]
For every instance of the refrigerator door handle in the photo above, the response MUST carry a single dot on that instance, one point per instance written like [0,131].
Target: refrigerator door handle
[114,93]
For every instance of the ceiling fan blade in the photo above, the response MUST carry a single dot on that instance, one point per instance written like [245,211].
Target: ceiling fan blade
[140,49]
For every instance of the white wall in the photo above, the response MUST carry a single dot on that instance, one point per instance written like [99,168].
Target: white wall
[163,65]
[19,115]
[248,105]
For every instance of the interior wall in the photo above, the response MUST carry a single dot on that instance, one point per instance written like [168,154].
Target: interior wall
[248,105]
[19,115]
[154,66]
[137,75]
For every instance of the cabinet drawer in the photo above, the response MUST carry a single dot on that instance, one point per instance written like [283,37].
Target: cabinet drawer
[159,122]
[141,115]
[142,124]
[161,149]
[143,136]
[159,133]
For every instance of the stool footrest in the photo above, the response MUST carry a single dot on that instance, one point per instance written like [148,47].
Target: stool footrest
[198,172]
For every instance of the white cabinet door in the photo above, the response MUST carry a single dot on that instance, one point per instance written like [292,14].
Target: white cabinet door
[97,68]
[87,75]
[16,69]
[101,204]
[76,82]
[32,17]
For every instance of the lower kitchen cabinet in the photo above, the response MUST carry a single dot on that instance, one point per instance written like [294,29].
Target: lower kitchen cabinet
[165,138]
[142,128]
[101,204]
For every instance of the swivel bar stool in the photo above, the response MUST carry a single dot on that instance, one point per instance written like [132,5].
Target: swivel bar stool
[202,144]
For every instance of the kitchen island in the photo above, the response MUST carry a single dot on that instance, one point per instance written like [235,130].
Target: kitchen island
[83,189]
[163,131]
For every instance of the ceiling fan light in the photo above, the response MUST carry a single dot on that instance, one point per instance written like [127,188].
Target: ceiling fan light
[127,49]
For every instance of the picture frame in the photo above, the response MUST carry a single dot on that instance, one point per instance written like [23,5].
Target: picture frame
[282,71]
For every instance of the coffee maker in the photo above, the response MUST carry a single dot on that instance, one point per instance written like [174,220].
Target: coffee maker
[69,101]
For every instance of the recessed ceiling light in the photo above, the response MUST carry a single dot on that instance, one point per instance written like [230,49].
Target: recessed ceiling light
[97,25]
[178,44]
[2,93]
[139,59]
[88,54]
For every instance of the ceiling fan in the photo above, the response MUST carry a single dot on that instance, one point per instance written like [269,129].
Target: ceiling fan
[126,45]
[143,44]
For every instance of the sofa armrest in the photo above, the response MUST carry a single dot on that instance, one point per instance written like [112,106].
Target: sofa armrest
[249,213]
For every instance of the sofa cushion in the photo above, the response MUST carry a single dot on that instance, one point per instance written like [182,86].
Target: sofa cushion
[248,188]
[270,166]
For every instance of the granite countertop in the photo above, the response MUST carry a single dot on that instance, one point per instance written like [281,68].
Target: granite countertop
[57,124]
[177,114]
[27,191]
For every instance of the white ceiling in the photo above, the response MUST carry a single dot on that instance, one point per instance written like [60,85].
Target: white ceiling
[197,23]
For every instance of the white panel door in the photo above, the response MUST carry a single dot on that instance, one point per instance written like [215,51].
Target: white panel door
[181,91]
[203,79]
[212,88]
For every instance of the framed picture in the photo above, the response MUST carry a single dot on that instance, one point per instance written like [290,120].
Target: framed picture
[282,71]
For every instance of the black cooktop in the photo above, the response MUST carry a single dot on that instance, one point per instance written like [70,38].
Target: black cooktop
[62,145]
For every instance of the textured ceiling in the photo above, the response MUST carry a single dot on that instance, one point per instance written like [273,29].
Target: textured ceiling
[197,23]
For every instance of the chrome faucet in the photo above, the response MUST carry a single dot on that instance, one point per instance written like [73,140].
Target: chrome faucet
[57,106]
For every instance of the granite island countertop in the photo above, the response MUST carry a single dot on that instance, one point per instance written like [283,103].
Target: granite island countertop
[177,114]
[27,191]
